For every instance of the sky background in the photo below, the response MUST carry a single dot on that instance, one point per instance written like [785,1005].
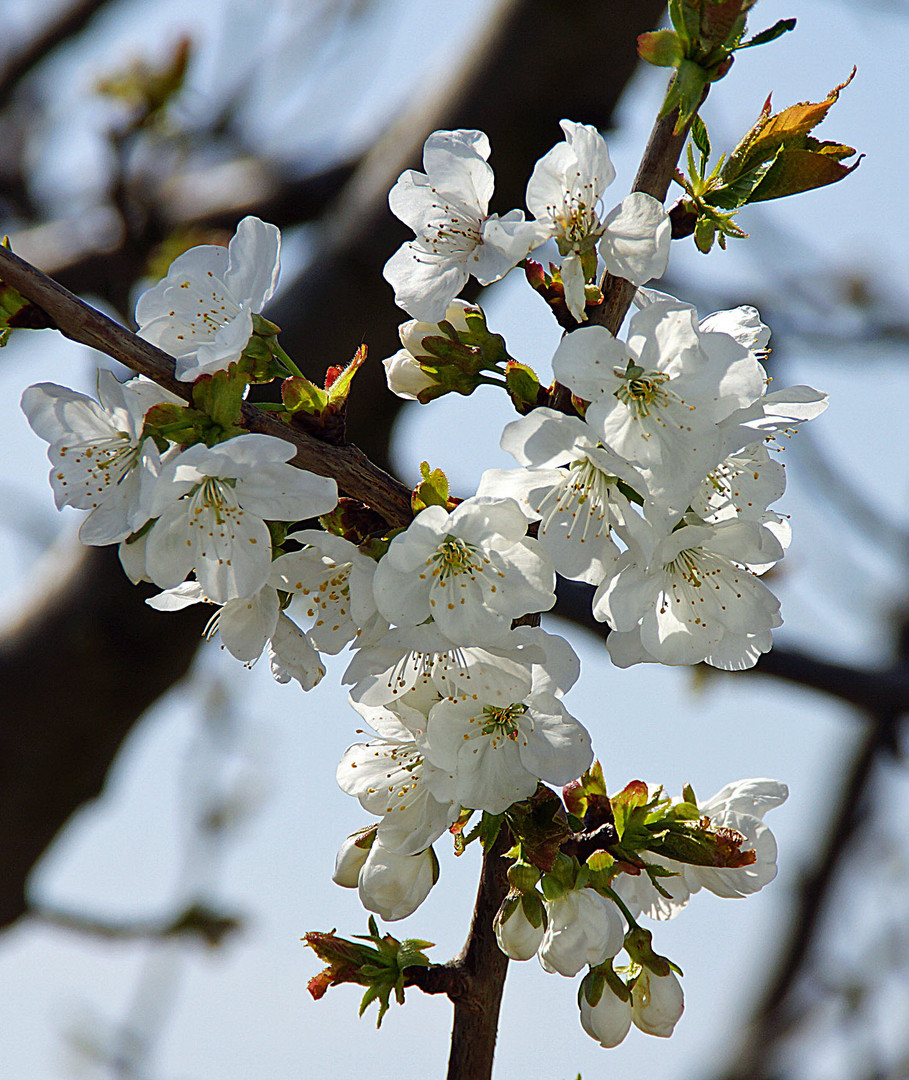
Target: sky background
[243,1011]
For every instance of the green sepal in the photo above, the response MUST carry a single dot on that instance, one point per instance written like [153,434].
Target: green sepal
[639,946]
[523,387]
[301,395]
[220,397]
[523,876]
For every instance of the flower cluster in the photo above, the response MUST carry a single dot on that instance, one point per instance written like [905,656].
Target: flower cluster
[652,483]
[456,237]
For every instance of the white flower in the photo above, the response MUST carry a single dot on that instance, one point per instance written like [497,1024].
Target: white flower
[564,194]
[502,736]
[391,779]
[292,655]
[213,504]
[694,600]
[404,375]
[657,401]
[331,579]
[394,886]
[608,1021]
[472,570]
[201,313]
[640,896]
[247,625]
[99,461]
[583,928]
[455,236]
[389,669]
[657,1003]
[742,485]
[570,483]
[636,239]
[740,806]
[516,935]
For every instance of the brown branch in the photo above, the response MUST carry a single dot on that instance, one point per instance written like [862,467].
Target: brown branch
[355,473]
[197,920]
[475,979]
[67,24]
[664,147]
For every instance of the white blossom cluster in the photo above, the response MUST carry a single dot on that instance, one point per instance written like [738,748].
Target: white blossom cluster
[656,491]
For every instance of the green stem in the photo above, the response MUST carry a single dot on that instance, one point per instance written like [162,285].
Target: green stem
[279,354]
[617,900]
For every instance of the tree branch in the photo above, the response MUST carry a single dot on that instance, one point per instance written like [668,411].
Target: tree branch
[354,472]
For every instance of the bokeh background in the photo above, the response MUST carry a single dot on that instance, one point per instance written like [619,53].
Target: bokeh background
[132,789]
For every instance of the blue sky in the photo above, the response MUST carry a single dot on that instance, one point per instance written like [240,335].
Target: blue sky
[245,1012]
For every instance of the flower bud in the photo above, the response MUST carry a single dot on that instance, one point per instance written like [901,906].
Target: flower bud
[584,928]
[351,856]
[404,375]
[517,936]
[657,1002]
[608,1021]
[394,886]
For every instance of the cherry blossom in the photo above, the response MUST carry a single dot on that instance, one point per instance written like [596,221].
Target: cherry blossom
[656,400]
[583,928]
[391,779]
[100,461]
[564,194]
[503,736]
[694,599]
[741,806]
[447,208]
[202,312]
[330,580]
[657,1003]
[472,571]
[247,625]
[211,505]
[516,935]
[609,1021]
[571,483]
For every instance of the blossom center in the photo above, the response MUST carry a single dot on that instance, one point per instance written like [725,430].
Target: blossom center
[502,723]
[454,557]
[641,390]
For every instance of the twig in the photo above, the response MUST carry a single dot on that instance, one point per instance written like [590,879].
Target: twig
[211,926]
[355,473]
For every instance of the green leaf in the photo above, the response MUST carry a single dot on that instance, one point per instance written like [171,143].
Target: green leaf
[771,34]
[796,170]
[662,48]
[699,136]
